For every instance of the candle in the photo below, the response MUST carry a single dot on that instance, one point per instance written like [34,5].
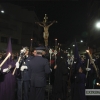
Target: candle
[5,59]
[15,67]
[55,42]
[92,62]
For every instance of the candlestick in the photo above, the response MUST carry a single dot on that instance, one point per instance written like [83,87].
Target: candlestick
[5,59]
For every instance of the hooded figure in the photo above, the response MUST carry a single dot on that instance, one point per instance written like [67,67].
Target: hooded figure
[79,86]
[7,80]
[75,73]
[61,77]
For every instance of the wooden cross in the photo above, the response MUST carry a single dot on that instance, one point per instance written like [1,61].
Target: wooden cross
[45,18]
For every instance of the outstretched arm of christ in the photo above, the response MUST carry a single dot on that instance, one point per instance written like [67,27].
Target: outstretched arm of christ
[39,24]
[52,23]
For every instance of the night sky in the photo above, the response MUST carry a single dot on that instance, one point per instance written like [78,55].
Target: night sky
[71,17]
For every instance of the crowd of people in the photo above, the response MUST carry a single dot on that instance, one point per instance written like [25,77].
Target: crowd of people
[23,75]
[27,77]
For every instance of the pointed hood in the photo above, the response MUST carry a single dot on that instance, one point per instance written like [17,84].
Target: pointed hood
[77,59]
[76,54]
[9,49]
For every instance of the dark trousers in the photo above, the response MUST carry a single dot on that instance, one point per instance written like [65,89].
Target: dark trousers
[37,93]
[64,90]
[72,91]
[23,85]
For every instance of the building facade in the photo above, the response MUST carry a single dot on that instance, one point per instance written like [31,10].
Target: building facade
[17,23]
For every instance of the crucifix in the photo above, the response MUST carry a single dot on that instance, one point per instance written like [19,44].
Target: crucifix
[45,24]
[45,18]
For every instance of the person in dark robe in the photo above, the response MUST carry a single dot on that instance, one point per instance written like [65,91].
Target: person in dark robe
[91,76]
[7,80]
[61,77]
[53,67]
[79,93]
[74,71]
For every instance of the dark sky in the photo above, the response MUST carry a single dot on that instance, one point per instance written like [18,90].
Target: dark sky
[71,17]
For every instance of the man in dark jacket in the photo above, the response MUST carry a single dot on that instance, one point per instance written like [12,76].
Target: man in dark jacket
[39,67]
[23,77]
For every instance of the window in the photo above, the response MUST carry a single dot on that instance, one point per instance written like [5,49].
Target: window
[4,39]
[14,41]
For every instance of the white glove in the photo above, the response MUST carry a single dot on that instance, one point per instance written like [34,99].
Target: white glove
[17,64]
[23,67]
[23,50]
[74,62]
[68,68]
[5,70]
[93,59]
[88,69]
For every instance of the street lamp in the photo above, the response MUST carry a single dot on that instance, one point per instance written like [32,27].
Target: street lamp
[2,11]
[55,43]
[73,45]
[98,25]
[81,41]
[31,43]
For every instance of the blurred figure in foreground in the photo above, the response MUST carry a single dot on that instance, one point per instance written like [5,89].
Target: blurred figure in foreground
[7,80]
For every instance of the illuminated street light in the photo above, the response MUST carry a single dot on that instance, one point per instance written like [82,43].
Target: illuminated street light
[31,43]
[55,44]
[2,11]
[81,41]
[98,24]
[73,45]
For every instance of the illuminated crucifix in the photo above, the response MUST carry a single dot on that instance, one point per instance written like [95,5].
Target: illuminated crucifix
[45,24]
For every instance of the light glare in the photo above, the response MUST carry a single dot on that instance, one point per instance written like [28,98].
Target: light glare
[73,45]
[98,24]
[81,41]
[2,11]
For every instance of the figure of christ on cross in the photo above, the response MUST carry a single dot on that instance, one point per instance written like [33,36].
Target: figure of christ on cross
[46,28]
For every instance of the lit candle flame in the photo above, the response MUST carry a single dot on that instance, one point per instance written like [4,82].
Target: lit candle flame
[97,83]
[87,50]
[9,53]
